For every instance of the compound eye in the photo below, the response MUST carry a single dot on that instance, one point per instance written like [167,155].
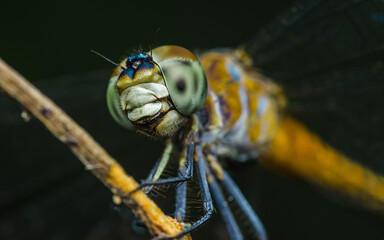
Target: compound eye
[186,84]
[114,107]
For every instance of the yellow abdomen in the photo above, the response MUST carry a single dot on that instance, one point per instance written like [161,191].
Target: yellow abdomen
[297,151]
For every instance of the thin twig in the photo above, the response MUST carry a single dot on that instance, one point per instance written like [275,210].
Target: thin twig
[89,152]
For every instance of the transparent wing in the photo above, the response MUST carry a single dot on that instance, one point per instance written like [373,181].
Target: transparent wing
[329,58]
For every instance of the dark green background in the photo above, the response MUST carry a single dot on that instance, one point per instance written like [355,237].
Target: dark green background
[45,193]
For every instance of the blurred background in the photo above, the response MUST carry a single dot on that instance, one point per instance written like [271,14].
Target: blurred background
[45,192]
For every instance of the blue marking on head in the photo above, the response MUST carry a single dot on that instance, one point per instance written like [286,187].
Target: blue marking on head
[136,63]
[140,56]
[129,71]
[233,71]
[146,65]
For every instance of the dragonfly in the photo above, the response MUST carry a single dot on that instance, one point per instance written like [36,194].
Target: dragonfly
[337,97]
[216,107]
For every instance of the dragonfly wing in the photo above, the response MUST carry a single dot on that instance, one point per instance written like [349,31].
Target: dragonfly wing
[329,58]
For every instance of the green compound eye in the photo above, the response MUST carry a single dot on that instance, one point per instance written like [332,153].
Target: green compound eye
[114,105]
[186,83]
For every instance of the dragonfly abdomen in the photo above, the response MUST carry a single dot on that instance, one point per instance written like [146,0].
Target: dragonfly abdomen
[299,152]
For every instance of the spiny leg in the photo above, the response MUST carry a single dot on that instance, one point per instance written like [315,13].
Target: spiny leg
[185,162]
[181,197]
[160,165]
[181,201]
[186,172]
[206,196]
[241,201]
[225,211]
[156,171]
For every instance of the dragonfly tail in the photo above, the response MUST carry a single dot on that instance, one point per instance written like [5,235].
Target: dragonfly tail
[297,151]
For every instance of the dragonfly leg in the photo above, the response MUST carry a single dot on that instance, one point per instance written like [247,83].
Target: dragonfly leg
[186,161]
[206,196]
[186,172]
[241,201]
[225,211]
[155,173]
[181,201]
[160,165]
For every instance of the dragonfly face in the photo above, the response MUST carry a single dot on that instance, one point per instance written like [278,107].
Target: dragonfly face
[155,93]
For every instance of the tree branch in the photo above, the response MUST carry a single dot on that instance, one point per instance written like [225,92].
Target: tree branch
[89,152]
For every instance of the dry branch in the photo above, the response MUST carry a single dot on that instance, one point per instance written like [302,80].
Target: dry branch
[90,153]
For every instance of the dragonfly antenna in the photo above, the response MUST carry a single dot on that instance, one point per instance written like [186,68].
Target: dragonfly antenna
[104,57]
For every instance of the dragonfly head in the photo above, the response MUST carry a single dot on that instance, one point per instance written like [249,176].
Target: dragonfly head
[156,93]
